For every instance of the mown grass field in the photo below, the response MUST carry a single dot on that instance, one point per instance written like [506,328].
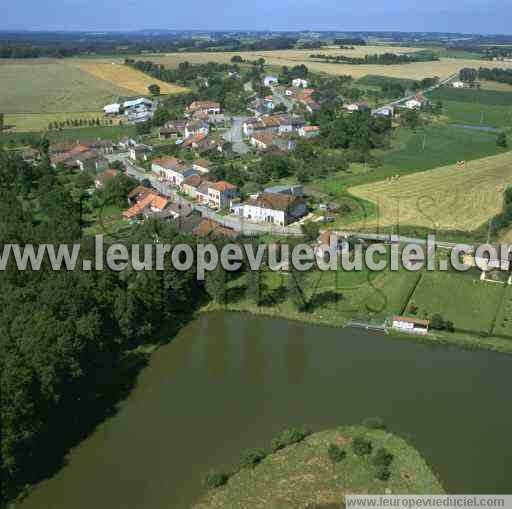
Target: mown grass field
[494,85]
[413,151]
[471,304]
[120,75]
[476,107]
[447,198]
[85,133]
[40,121]
[53,88]
[302,475]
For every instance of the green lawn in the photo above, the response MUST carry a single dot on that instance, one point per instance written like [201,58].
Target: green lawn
[469,303]
[302,475]
[332,297]
[374,80]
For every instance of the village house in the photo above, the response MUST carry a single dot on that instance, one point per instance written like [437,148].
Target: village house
[278,209]
[331,243]
[202,193]
[410,325]
[137,194]
[385,111]
[201,144]
[290,123]
[359,107]
[260,107]
[140,152]
[269,81]
[124,144]
[195,127]
[300,83]
[202,165]
[267,141]
[267,123]
[191,184]
[80,157]
[417,102]
[203,107]
[220,194]
[150,204]
[172,170]
[210,228]
[168,133]
[102,178]
[309,131]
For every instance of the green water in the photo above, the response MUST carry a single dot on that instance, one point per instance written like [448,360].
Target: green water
[230,382]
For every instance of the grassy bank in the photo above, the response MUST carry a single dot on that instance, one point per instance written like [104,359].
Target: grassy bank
[303,475]
[479,310]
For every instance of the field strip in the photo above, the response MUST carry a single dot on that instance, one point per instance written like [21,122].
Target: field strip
[450,198]
[125,77]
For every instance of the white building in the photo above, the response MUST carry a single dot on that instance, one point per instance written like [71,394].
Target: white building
[112,109]
[416,103]
[196,127]
[410,325]
[300,83]
[269,81]
[141,101]
[458,84]
[172,170]
[279,209]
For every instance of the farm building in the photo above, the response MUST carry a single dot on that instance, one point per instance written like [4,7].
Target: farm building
[410,325]
[112,109]
[416,103]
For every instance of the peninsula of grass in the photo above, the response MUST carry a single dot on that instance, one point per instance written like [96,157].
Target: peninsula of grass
[321,469]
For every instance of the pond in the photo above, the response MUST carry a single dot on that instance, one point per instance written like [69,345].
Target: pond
[229,382]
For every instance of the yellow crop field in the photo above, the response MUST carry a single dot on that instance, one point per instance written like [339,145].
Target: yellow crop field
[127,78]
[418,70]
[451,198]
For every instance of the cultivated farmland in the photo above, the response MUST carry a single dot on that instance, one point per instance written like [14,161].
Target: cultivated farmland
[447,198]
[416,71]
[53,88]
[125,77]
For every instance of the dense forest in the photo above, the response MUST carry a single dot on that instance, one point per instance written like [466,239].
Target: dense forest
[382,59]
[69,339]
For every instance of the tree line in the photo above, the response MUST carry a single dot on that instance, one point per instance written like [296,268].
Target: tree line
[380,59]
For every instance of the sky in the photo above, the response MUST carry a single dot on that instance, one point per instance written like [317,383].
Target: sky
[467,16]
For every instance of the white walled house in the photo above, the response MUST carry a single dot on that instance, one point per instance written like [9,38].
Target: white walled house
[221,193]
[172,170]
[269,81]
[309,131]
[416,103]
[300,83]
[195,127]
[272,208]
[112,109]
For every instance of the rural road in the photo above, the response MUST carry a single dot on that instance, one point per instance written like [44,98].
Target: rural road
[235,135]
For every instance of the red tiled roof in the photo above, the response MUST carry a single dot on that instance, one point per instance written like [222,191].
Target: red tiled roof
[222,186]
[411,320]
[210,227]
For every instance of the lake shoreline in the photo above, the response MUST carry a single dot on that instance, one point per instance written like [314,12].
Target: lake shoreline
[463,341]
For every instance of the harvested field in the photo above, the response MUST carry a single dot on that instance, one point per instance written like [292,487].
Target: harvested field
[448,198]
[125,77]
[53,88]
